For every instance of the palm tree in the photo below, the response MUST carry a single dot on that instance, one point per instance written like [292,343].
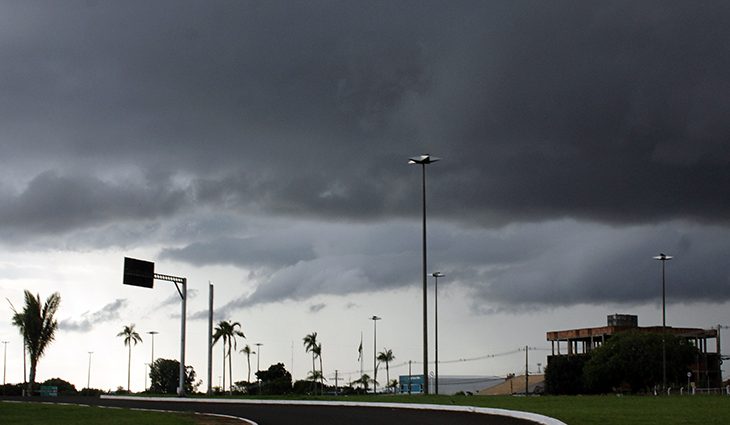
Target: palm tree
[365,381]
[37,326]
[386,356]
[247,351]
[130,337]
[310,344]
[317,351]
[227,330]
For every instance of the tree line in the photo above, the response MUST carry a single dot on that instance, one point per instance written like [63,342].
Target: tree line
[37,325]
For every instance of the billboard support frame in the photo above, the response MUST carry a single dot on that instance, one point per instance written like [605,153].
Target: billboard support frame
[178,281]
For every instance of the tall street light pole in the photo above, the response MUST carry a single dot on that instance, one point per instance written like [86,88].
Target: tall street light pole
[88,374]
[424,160]
[436,277]
[375,350]
[664,258]
[210,338]
[5,359]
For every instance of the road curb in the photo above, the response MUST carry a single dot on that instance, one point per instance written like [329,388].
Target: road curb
[533,417]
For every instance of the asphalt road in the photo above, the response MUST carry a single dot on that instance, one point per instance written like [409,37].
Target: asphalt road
[271,414]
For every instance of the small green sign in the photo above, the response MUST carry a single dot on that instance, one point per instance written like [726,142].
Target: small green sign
[49,391]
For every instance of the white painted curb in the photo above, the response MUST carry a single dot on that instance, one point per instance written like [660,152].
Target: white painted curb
[534,417]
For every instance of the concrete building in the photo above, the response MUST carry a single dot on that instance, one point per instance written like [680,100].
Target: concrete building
[584,340]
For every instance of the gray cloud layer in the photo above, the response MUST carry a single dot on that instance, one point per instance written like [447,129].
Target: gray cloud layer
[88,320]
[611,112]
[518,267]
[115,117]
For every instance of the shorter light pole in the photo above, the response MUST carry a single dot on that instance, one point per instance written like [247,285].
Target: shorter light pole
[258,364]
[88,375]
[152,358]
[436,277]
[375,355]
[5,359]
[258,353]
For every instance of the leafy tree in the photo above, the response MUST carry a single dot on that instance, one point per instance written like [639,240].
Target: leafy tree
[11,389]
[38,326]
[247,351]
[386,356]
[130,337]
[633,361]
[564,374]
[365,380]
[165,377]
[275,380]
[64,387]
[228,332]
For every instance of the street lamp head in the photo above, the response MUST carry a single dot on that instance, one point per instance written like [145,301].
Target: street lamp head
[423,159]
[153,332]
[438,274]
[663,257]
[375,318]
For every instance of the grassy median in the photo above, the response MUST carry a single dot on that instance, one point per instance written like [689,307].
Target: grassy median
[584,410]
[53,414]
[598,410]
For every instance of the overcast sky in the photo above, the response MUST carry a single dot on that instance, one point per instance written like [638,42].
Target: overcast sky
[263,145]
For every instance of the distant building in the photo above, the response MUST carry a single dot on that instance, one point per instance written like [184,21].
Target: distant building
[584,340]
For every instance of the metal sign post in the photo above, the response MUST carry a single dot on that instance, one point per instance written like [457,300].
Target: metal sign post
[142,273]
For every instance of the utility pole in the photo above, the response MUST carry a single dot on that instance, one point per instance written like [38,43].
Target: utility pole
[527,372]
[409,377]
[337,378]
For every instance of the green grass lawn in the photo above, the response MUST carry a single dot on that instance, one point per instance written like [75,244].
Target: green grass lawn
[573,410]
[50,414]
[595,410]
[586,410]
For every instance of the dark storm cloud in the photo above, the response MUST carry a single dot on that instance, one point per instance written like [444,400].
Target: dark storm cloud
[517,268]
[555,120]
[252,252]
[316,308]
[88,320]
[53,203]
[601,111]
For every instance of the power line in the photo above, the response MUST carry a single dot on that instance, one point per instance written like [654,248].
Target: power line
[464,359]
